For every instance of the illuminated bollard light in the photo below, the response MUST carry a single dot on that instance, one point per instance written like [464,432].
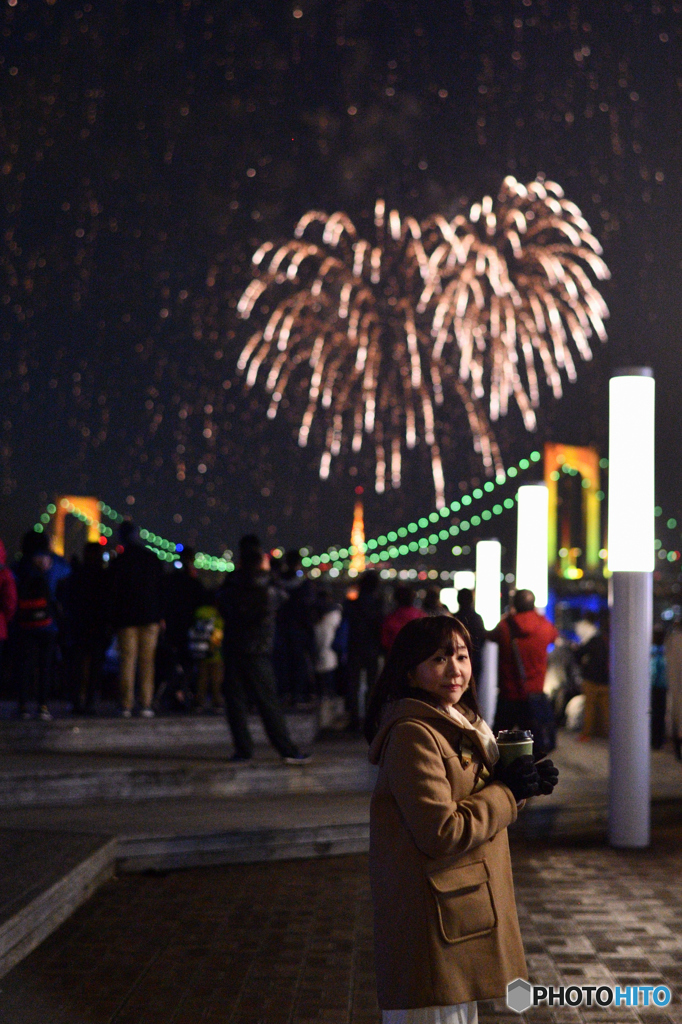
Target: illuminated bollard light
[631,560]
[531,542]
[488,568]
[464,579]
[488,606]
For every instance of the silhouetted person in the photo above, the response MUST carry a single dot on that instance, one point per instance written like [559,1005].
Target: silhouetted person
[248,603]
[523,637]
[87,607]
[206,649]
[8,599]
[328,617]
[57,574]
[659,687]
[432,604]
[136,614]
[183,594]
[36,624]
[294,650]
[364,617]
[592,660]
[405,610]
[473,623]
[673,661]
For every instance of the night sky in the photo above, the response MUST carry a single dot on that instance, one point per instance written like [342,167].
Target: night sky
[149,147]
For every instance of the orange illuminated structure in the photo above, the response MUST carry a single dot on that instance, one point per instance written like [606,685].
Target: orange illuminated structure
[574,521]
[357,539]
[85,509]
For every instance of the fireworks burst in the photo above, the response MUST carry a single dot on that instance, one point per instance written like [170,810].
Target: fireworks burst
[376,331]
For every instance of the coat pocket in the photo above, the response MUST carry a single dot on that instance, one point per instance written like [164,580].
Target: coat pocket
[464,901]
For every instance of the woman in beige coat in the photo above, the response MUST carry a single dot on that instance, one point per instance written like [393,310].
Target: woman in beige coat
[445,924]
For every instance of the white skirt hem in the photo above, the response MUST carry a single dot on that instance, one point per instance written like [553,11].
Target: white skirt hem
[459,1013]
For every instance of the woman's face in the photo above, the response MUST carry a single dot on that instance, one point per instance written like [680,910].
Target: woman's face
[446,674]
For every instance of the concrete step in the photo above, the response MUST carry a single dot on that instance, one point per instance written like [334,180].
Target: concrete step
[131,779]
[161,734]
[50,863]
[44,878]
[166,853]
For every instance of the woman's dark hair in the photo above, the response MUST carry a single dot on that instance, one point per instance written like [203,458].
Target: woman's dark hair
[416,641]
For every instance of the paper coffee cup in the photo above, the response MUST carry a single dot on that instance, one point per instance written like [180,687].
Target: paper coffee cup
[513,743]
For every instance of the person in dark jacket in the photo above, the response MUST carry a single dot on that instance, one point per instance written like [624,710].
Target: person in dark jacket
[87,607]
[472,621]
[659,687]
[36,624]
[364,616]
[136,615]
[183,594]
[248,602]
[8,599]
[294,650]
[432,604]
[405,611]
[57,572]
[592,659]
[523,637]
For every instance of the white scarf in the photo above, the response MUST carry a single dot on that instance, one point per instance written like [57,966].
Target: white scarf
[483,732]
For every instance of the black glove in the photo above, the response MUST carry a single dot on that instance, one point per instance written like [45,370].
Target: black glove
[548,774]
[521,776]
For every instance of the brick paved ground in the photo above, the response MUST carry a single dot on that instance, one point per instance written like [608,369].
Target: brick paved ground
[291,942]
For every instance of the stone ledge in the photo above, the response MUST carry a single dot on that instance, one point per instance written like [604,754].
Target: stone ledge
[144,853]
[163,733]
[45,787]
[42,914]
[45,912]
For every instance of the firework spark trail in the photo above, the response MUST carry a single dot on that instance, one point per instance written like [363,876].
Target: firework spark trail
[513,276]
[378,329]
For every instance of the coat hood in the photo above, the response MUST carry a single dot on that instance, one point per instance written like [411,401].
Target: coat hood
[410,708]
[526,621]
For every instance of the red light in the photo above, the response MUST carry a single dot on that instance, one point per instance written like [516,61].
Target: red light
[103,540]
[119,549]
[359,489]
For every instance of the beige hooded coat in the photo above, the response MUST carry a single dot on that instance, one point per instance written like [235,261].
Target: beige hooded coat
[445,923]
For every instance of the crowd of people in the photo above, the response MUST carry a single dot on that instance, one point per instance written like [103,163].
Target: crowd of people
[272,639]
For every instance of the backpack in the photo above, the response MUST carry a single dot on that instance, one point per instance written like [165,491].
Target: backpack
[205,634]
[34,606]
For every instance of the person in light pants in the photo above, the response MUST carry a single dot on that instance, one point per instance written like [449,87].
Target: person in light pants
[136,615]
[137,645]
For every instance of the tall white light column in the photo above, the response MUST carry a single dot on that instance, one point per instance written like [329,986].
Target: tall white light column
[464,578]
[488,566]
[632,395]
[489,607]
[531,542]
